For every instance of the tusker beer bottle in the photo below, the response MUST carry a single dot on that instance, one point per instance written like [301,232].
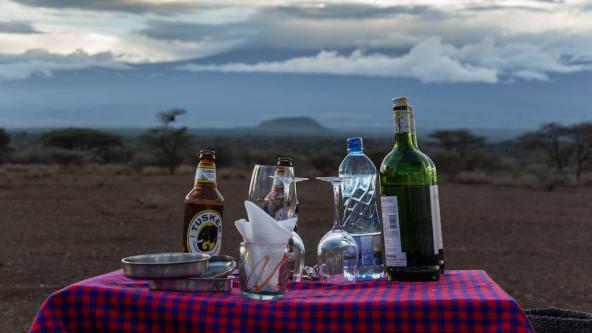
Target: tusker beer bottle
[407,195]
[202,230]
[275,202]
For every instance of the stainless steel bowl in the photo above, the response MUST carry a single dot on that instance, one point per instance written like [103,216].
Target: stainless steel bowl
[165,265]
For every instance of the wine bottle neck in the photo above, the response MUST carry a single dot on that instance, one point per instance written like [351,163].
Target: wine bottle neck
[403,135]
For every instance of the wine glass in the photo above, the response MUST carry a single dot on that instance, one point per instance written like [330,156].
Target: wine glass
[337,251]
[281,207]
[262,183]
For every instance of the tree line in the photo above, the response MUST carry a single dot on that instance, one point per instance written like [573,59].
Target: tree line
[553,152]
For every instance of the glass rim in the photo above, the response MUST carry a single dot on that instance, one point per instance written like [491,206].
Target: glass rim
[269,166]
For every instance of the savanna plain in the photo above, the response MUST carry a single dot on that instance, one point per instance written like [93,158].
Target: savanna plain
[58,227]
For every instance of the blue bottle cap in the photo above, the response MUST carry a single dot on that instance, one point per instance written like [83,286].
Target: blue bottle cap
[355,144]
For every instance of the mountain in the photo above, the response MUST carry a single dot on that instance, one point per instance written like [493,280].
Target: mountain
[130,98]
[293,125]
[282,126]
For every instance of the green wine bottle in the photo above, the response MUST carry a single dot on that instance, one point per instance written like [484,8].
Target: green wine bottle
[406,185]
[435,195]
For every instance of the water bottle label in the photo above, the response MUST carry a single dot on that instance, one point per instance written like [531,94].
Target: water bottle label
[436,221]
[370,250]
[395,257]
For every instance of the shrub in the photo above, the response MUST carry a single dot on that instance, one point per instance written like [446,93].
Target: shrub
[542,177]
[448,162]
[67,158]
[113,155]
[141,160]
[30,155]
[80,139]
[4,146]
[326,164]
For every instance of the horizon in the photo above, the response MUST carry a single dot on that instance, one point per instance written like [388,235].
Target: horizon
[298,129]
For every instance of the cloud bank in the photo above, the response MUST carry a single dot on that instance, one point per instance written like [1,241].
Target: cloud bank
[431,41]
[125,6]
[43,63]
[17,27]
[429,61]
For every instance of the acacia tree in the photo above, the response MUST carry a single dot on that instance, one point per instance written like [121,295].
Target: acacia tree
[461,141]
[462,151]
[555,140]
[168,143]
[581,135]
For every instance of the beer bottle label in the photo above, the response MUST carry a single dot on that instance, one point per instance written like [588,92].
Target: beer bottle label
[205,174]
[204,233]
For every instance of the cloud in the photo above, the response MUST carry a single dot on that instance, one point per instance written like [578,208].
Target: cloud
[533,39]
[43,63]
[17,27]
[351,25]
[126,6]
[182,31]
[425,62]
[355,11]
[429,61]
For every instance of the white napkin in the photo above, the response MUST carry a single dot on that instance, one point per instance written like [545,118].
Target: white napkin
[261,228]
[265,229]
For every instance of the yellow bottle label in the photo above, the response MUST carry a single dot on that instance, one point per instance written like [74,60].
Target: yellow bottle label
[204,233]
[205,174]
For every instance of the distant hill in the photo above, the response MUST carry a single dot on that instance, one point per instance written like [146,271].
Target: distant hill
[293,125]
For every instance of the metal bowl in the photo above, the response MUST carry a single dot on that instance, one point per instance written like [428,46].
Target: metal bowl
[165,265]
[219,267]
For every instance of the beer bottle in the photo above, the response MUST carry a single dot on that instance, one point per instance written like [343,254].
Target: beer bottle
[275,203]
[202,229]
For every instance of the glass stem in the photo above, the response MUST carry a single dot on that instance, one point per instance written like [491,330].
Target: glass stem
[336,206]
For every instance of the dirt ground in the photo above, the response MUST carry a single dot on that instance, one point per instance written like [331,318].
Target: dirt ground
[58,228]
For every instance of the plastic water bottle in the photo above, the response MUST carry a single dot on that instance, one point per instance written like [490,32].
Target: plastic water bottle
[360,217]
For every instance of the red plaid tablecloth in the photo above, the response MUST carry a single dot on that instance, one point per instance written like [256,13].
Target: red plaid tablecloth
[462,301]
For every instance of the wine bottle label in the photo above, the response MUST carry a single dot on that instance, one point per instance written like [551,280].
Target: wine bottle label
[436,220]
[402,122]
[205,174]
[204,232]
[394,255]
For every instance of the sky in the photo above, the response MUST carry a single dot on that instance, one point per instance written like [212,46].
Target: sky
[488,64]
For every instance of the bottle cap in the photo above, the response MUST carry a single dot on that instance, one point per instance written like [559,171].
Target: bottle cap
[400,101]
[207,153]
[355,144]
[285,161]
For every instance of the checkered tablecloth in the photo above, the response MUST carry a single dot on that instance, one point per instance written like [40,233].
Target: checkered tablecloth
[462,301]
